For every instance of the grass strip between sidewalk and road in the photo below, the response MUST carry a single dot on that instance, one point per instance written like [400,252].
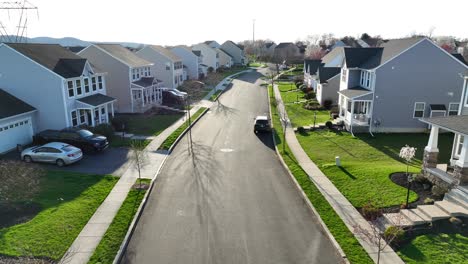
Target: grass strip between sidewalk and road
[215,95]
[110,243]
[166,145]
[355,253]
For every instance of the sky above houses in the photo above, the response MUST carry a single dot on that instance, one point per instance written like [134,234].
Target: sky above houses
[193,21]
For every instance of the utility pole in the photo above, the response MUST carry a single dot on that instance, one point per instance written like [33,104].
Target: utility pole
[22,7]
[253,38]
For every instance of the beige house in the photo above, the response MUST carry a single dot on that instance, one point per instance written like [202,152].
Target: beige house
[225,60]
[130,79]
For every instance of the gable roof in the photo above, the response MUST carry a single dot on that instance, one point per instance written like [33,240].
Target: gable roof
[356,57]
[269,44]
[333,54]
[11,106]
[225,52]
[53,57]
[197,52]
[326,73]
[165,52]
[124,55]
[96,99]
[459,57]
[284,45]
[312,66]
[458,123]
[208,42]
[233,43]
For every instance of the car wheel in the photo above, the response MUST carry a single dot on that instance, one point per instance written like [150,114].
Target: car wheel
[60,163]
[27,159]
[255,131]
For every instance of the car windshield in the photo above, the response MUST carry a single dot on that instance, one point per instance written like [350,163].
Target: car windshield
[68,148]
[262,122]
[85,133]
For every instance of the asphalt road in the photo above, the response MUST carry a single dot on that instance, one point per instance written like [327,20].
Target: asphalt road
[231,201]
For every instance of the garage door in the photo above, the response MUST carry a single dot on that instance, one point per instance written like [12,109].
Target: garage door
[15,132]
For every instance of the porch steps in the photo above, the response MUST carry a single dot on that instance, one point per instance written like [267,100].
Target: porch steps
[415,216]
[433,211]
[394,219]
[457,196]
[451,208]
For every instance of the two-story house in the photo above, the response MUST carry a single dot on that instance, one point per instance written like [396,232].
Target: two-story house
[212,43]
[210,56]
[167,66]
[130,79]
[202,68]
[225,60]
[64,88]
[327,85]
[287,52]
[310,73]
[387,89]
[236,51]
[189,59]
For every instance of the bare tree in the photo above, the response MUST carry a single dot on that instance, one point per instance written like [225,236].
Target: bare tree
[138,156]
[314,52]
[19,182]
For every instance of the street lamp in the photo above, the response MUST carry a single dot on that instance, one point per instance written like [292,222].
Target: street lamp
[410,180]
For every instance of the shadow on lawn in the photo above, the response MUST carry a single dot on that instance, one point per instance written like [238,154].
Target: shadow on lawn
[345,171]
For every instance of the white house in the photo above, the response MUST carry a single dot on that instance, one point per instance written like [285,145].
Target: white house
[130,78]
[210,56]
[225,60]
[64,88]
[236,51]
[167,66]
[16,121]
[189,59]
[202,68]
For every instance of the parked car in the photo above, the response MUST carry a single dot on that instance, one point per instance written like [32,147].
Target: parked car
[79,137]
[55,152]
[261,124]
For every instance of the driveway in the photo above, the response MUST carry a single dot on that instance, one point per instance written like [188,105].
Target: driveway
[228,199]
[112,161]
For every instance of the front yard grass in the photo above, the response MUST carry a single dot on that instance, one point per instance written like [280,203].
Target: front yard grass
[149,125]
[173,137]
[215,95]
[110,243]
[118,141]
[68,200]
[355,253]
[440,248]
[367,162]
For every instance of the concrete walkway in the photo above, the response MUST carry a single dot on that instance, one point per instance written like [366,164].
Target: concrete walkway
[84,245]
[347,212]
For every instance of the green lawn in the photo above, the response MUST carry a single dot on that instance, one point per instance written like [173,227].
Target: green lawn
[110,243]
[68,201]
[298,115]
[149,125]
[367,162]
[215,95]
[257,64]
[441,248]
[117,142]
[351,247]
[173,137]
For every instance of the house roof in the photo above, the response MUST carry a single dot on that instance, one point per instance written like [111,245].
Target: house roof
[312,66]
[284,45]
[165,52]
[96,99]
[11,106]
[437,107]
[76,49]
[351,42]
[356,57]
[241,47]
[208,42]
[325,73]
[458,124]
[54,57]
[354,92]
[333,54]
[197,52]
[124,55]
[269,44]
[225,52]
[144,81]
[459,57]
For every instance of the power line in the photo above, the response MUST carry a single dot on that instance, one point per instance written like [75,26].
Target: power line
[22,7]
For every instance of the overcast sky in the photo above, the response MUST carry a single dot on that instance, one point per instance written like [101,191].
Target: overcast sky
[192,21]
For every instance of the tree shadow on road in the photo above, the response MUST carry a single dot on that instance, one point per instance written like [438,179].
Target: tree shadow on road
[225,110]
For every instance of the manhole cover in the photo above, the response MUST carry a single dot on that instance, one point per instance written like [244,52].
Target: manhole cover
[226,150]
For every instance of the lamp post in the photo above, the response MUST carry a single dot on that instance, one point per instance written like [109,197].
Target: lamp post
[410,180]
[407,153]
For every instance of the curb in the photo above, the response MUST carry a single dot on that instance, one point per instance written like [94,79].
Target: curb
[304,196]
[136,218]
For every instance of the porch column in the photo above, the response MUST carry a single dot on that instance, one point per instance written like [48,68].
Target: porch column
[92,118]
[431,152]
[112,109]
[142,97]
[460,171]
[100,115]
[107,113]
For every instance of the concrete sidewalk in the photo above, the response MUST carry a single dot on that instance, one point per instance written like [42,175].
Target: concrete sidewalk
[84,245]
[347,212]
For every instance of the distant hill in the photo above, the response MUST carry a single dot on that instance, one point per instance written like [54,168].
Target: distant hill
[69,41]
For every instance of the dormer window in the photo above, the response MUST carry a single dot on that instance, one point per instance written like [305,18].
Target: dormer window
[94,84]
[79,91]
[86,84]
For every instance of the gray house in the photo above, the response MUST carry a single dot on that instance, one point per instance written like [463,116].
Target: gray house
[328,85]
[64,88]
[387,89]
[235,51]
[189,59]
[130,78]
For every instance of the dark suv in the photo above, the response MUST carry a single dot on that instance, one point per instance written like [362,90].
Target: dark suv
[78,137]
[261,124]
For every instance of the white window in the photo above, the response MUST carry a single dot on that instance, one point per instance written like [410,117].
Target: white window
[71,91]
[82,116]
[459,145]
[453,109]
[362,78]
[343,75]
[368,78]
[100,84]
[94,84]
[79,90]
[86,84]
[133,74]
[419,109]
[74,118]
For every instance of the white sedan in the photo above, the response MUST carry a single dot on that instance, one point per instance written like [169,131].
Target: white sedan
[55,152]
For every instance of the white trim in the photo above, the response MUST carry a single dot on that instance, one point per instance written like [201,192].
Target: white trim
[355,96]
[438,111]
[444,128]
[458,109]
[414,109]
[448,54]
[394,57]
[5,119]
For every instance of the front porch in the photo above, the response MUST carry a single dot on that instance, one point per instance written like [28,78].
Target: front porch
[355,107]
[146,93]
[93,110]
[456,172]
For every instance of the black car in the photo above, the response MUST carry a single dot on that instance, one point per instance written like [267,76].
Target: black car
[78,137]
[262,124]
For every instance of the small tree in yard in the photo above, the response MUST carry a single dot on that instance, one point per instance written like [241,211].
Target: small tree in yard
[19,182]
[138,156]
[407,153]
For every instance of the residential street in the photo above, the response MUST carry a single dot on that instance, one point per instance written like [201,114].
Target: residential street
[230,201]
